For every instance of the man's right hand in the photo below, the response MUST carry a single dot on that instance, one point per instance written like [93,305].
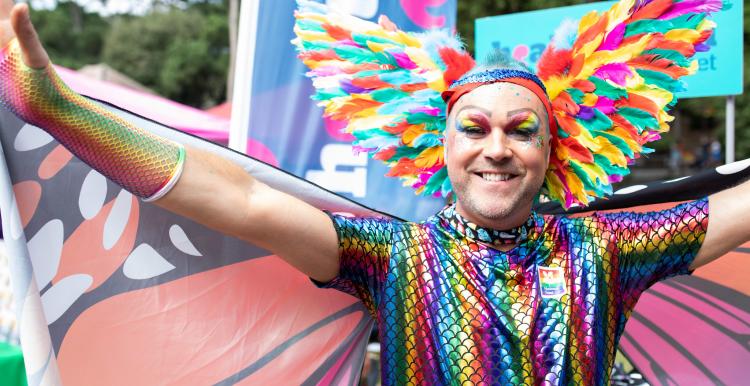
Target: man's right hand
[218,193]
[15,22]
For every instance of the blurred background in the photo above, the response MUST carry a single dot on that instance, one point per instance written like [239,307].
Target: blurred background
[182,50]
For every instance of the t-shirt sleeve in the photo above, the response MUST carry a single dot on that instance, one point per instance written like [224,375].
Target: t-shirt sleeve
[656,245]
[364,252]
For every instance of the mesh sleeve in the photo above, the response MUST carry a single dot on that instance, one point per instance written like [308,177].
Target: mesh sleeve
[364,252]
[140,162]
[657,245]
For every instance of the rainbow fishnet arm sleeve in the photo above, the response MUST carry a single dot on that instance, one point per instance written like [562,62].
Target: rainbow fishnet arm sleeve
[364,252]
[657,245]
[142,163]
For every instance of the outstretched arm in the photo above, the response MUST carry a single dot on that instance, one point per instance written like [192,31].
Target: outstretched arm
[728,226]
[208,189]
[221,195]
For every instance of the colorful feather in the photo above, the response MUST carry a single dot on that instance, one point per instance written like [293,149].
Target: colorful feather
[611,79]
[634,56]
[386,85]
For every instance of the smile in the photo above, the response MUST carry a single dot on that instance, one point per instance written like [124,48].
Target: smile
[496,177]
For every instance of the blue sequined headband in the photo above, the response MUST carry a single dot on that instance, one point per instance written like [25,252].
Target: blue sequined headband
[495,75]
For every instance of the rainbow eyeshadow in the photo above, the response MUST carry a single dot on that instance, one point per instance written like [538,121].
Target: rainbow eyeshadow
[472,120]
[526,121]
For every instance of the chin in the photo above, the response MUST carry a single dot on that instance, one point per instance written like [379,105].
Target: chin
[494,210]
[485,209]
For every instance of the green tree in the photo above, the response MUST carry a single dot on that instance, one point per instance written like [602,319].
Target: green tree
[180,53]
[72,36]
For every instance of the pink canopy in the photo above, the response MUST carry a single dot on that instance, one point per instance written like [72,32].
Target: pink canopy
[162,110]
[154,107]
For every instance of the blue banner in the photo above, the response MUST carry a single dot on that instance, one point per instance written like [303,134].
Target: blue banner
[719,70]
[286,121]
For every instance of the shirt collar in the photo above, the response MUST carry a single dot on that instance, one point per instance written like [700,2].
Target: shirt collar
[493,237]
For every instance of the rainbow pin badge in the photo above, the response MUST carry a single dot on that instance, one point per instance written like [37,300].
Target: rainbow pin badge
[551,282]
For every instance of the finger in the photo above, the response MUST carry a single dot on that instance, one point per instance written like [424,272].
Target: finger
[34,54]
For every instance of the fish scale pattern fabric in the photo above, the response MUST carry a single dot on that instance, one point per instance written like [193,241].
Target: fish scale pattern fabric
[140,162]
[455,311]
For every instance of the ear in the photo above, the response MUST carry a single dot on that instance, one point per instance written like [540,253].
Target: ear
[549,149]
[549,140]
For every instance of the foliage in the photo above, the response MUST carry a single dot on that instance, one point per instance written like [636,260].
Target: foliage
[182,54]
[703,116]
[72,36]
[179,48]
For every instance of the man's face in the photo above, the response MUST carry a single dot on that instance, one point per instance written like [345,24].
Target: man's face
[496,151]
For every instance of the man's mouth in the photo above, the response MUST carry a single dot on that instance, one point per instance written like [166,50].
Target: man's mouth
[496,177]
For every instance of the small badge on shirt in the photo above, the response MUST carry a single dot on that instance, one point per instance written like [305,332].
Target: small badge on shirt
[551,281]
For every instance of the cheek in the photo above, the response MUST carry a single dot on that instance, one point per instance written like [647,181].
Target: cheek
[534,157]
[449,145]
[460,144]
[541,161]
[457,152]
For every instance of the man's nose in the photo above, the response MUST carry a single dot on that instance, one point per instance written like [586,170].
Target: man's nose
[496,146]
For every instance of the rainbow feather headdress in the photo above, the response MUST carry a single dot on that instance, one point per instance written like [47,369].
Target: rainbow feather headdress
[610,80]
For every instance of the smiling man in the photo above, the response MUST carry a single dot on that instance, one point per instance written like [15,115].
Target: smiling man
[497,153]
[489,292]
[485,292]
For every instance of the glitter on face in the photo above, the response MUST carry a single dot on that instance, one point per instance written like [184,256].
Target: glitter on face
[524,126]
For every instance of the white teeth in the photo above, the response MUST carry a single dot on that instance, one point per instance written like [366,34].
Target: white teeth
[494,177]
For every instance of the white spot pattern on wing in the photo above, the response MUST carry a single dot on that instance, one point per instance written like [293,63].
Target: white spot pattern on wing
[61,296]
[30,138]
[145,262]
[734,167]
[45,249]
[181,241]
[117,219]
[631,189]
[93,193]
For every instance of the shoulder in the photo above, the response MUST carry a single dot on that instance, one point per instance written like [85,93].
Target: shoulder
[565,226]
[375,226]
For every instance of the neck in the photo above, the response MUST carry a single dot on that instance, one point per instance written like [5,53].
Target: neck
[515,218]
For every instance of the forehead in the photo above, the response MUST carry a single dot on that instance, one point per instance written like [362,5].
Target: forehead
[500,98]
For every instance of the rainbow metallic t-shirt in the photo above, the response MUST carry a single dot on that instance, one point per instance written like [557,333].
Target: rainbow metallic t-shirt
[452,310]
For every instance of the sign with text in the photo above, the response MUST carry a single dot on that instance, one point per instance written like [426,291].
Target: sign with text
[719,70]
[290,125]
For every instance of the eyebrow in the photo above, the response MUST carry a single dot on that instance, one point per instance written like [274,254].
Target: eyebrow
[519,111]
[482,109]
[516,117]
[478,114]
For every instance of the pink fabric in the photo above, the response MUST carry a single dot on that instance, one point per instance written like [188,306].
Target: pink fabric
[159,109]
[209,126]
[419,13]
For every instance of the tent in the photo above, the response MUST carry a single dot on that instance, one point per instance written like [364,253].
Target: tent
[159,109]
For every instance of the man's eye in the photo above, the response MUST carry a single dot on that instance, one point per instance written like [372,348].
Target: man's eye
[522,133]
[472,130]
